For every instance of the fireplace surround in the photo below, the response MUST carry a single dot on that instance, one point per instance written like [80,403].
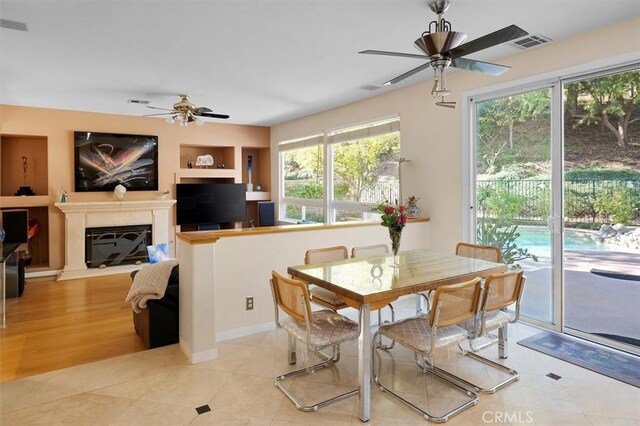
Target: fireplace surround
[95,214]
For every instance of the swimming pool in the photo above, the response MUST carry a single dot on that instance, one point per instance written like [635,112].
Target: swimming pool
[537,240]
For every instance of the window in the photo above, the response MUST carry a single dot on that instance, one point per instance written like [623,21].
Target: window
[361,169]
[302,178]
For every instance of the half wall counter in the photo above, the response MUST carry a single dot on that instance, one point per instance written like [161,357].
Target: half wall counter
[219,270]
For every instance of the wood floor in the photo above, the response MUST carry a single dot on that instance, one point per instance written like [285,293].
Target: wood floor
[56,325]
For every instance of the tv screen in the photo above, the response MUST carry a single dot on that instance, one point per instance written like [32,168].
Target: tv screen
[210,203]
[106,160]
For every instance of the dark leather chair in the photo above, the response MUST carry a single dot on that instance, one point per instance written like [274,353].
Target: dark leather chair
[158,324]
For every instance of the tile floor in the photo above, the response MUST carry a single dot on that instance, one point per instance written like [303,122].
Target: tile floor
[159,386]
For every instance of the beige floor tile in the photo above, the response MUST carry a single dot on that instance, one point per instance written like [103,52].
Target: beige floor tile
[249,396]
[387,410]
[611,421]
[538,392]
[545,417]
[251,340]
[134,389]
[188,387]
[81,409]
[24,393]
[230,357]
[482,414]
[224,419]
[604,398]
[153,413]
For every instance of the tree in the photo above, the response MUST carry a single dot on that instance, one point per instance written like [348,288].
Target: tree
[360,163]
[509,110]
[611,101]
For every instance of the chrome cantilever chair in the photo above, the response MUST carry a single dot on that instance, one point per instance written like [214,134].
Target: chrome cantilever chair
[374,250]
[423,334]
[474,251]
[318,330]
[500,291]
[321,296]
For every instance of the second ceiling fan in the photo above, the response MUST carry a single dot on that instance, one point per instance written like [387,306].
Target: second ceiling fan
[443,48]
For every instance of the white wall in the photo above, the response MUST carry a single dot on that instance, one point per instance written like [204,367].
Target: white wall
[431,136]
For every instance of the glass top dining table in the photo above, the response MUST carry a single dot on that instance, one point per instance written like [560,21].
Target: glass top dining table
[372,282]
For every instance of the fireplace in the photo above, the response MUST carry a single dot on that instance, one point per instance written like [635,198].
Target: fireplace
[80,216]
[117,245]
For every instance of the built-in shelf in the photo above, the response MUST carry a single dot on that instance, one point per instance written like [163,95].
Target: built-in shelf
[206,173]
[26,201]
[258,196]
[222,155]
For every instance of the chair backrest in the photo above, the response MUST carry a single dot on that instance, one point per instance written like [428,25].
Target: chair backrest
[502,290]
[488,253]
[457,303]
[374,250]
[289,296]
[327,254]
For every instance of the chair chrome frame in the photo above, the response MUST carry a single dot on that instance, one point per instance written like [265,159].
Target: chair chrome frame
[428,367]
[502,340]
[327,361]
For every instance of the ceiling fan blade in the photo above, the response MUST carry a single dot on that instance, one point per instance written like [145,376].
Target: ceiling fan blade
[385,53]
[483,67]
[202,109]
[163,109]
[407,74]
[211,115]
[504,35]
[162,113]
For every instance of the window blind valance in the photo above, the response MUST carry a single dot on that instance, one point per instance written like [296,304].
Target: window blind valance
[301,143]
[363,132]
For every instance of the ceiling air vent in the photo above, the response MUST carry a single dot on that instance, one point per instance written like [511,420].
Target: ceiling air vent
[138,101]
[369,87]
[532,40]
[13,25]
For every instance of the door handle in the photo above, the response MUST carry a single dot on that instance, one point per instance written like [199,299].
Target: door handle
[553,224]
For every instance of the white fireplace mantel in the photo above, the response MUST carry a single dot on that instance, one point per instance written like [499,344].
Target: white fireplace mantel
[94,214]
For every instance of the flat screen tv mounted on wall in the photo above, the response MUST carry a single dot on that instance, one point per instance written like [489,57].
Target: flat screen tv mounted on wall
[210,203]
[106,160]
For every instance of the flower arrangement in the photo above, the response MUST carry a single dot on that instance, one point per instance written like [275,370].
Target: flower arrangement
[393,217]
[412,206]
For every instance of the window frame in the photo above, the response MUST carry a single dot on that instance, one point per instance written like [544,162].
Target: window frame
[328,138]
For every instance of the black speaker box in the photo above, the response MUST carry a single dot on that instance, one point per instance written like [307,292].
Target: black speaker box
[15,224]
[266,213]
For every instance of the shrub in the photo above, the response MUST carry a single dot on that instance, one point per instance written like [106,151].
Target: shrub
[496,234]
[617,204]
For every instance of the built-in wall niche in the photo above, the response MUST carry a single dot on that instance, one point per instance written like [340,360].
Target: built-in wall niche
[12,150]
[38,245]
[260,167]
[222,155]
[206,180]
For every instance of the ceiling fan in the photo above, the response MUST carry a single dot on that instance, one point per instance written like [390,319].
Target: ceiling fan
[185,112]
[443,48]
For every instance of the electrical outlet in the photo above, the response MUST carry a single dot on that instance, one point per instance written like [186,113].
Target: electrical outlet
[249,303]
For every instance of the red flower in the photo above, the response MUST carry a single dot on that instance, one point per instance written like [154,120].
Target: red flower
[402,208]
[404,219]
[389,210]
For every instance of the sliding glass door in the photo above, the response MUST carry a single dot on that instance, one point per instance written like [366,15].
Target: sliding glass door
[513,189]
[602,208]
[556,185]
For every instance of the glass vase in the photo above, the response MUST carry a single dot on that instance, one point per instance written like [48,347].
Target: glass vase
[395,246]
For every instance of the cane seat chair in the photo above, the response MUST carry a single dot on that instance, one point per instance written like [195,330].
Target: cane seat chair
[321,296]
[500,291]
[372,251]
[317,330]
[423,334]
[475,251]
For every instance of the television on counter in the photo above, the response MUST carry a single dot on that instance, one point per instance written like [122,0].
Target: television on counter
[210,203]
[106,160]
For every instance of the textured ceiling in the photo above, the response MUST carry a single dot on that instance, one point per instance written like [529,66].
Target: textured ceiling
[262,62]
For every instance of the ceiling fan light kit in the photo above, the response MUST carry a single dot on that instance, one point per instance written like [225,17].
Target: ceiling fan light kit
[184,112]
[443,48]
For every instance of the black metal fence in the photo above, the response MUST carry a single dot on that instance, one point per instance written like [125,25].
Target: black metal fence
[585,200]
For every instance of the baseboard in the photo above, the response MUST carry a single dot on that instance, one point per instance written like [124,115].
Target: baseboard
[196,357]
[221,336]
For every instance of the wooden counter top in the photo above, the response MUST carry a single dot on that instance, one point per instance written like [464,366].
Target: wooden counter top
[210,237]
